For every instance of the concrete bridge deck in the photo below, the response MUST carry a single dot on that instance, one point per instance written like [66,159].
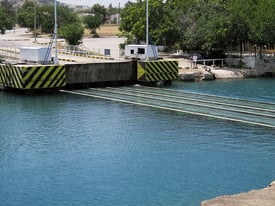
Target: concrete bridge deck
[237,110]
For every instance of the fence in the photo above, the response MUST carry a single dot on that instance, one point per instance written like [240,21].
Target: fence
[10,52]
[83,51]
[214,61]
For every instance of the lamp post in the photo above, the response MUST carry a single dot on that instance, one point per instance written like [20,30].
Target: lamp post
[55,34]
[147,24]
[35,34]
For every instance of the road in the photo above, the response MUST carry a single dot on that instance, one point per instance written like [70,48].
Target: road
[21,37]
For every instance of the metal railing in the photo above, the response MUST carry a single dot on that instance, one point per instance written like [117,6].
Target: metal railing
[10,52]
[211,60]
[204,61]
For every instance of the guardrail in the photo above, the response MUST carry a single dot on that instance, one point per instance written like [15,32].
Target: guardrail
[10,52]
[73,52]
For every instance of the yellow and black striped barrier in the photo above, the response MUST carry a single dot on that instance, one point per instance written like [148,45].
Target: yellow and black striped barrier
[154,71]
[66,60]
[32,77]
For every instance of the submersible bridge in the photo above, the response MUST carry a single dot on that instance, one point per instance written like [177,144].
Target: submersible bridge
[68,78]
[236,110]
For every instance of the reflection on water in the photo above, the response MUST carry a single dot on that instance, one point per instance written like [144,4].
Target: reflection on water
[68,150]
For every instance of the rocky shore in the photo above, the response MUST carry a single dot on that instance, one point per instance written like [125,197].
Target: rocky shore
[263,197]
[202,72]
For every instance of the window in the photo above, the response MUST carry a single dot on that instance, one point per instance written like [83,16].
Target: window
[132,51]
[141,51]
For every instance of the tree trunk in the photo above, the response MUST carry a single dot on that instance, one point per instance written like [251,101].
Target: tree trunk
[261,49]
[241,49]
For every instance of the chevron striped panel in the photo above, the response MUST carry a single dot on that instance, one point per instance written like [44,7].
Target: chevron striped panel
[33,77]
[154,71]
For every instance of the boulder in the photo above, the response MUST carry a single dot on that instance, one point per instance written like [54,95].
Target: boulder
[227,74]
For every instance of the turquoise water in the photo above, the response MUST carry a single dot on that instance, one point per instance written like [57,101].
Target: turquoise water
[64,149]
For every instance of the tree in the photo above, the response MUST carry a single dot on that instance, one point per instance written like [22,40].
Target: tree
[72,33]
[238,15]
[162,17]
[65,16]
[6,20]
[214,25]
[96,17]
[262,23]
[190,23]
[25,15]
[162,27]
[204,25]
[133,20]
[45,16]
[92,23]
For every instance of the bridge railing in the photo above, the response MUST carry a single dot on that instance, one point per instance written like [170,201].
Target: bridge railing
[10,52]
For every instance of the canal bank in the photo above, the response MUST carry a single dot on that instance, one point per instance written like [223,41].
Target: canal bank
[262,197]
[188,71]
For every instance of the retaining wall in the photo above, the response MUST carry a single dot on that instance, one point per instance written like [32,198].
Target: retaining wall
[101,72]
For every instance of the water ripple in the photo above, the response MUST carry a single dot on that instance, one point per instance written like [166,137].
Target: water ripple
[69,150]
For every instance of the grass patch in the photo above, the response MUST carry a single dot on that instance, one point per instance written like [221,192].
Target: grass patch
[104,30]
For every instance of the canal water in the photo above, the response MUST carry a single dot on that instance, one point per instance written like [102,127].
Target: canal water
[64,149]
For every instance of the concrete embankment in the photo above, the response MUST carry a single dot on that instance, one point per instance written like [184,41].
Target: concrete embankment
[263,197]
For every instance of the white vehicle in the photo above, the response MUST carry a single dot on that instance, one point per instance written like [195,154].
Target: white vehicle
[142,52]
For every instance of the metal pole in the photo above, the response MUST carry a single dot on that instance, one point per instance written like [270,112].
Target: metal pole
[35,21]
[55,34]
[118,15]
[147,24]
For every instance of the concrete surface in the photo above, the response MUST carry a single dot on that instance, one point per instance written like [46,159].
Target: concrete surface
[21,37]
[263,197]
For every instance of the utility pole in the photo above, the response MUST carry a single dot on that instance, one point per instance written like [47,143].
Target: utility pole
[55,34]
[34,21]
[118,14]
[147,24]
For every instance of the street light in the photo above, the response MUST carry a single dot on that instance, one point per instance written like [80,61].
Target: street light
[147,24]
[55,34]
[35,34]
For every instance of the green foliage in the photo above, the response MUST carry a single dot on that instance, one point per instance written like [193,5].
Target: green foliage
[72,33]
[6,20]
[44,16]
[262,21]
[130,39]
[162,20]
[162,27]
[25,15]
[92,23]
[133,19]
[207,25]
[96,17]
